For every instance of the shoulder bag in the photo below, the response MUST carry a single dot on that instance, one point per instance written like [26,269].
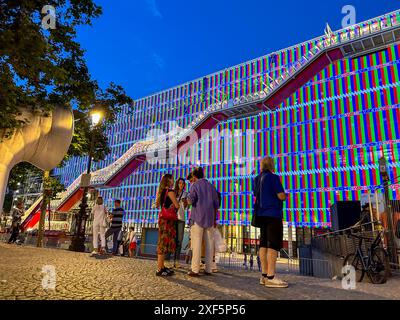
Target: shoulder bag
[254,221]
[168,213]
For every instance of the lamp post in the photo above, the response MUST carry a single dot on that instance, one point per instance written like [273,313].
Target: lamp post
[389,213]
[45,200]
[78,240]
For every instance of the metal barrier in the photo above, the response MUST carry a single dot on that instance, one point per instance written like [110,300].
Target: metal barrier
[236,261]
[340,243]
[328,251]
[313,267]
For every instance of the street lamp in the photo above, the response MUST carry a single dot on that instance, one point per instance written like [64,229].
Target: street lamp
[78,240]
[96,117]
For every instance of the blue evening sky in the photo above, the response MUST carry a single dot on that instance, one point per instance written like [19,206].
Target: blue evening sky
[151,45]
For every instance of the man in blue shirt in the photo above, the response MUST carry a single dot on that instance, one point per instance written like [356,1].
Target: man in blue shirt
[205,202]
[270,195]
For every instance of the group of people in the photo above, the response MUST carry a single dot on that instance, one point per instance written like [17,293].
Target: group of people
[204,201]
[106,224]
[251,262]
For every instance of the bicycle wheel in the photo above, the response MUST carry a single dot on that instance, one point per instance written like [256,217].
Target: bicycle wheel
[355,261]
[379,269]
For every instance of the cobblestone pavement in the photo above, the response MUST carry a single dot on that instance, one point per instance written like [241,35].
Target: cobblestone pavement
[80,277]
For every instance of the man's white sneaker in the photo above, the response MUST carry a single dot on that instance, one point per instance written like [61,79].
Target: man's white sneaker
[275,283]
[262,280]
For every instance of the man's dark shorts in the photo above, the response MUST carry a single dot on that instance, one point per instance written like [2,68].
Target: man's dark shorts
[271,233]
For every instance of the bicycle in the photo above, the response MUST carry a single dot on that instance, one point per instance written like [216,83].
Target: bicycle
[375,264]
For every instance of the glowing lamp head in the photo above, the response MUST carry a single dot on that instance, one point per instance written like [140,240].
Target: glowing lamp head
[96,117]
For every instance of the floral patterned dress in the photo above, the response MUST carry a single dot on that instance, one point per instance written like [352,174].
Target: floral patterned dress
[166,230]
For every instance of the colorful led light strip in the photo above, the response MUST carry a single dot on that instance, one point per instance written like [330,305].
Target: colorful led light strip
[326,137]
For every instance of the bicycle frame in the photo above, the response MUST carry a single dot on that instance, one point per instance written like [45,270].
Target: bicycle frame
[366,260]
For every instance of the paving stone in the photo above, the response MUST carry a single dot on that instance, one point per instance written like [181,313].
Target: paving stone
[81,277]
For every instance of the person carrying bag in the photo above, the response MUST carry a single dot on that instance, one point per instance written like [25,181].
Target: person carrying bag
[255,222]
[168,213]
[268,216]
[166,199]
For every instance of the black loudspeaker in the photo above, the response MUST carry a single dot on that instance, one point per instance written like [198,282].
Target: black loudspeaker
[345,214]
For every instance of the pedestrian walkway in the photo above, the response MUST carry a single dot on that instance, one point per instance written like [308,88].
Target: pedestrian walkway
[79,276]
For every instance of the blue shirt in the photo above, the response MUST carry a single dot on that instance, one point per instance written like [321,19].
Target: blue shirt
[205,202]
[269,203]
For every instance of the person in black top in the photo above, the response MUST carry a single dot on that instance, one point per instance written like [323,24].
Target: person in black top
[17,214]
[166,197]
[181,195]
[116,216]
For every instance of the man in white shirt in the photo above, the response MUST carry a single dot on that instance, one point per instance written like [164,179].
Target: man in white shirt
[100,223]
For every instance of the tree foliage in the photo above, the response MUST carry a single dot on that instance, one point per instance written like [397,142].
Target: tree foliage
[52,187]
[19,174]
[40,68]
[83,135]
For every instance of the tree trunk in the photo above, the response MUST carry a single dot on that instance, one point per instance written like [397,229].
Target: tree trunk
[46,175]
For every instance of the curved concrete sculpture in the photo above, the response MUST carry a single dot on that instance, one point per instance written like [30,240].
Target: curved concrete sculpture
[43,142]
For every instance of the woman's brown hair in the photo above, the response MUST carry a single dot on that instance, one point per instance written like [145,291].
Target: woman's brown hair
[176,188]
[164,184]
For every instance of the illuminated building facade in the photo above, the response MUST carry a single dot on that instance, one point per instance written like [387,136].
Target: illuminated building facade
[326,137]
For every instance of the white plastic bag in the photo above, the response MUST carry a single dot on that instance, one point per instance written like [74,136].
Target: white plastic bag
[219,243]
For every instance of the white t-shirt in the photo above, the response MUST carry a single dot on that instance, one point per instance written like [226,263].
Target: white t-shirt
[181,210]
[99,214]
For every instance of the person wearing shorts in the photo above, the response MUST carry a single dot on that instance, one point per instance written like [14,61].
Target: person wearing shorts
[271,233]
[270,195]
[132,242]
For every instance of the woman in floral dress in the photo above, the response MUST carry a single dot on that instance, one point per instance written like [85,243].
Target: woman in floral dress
[166,197]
